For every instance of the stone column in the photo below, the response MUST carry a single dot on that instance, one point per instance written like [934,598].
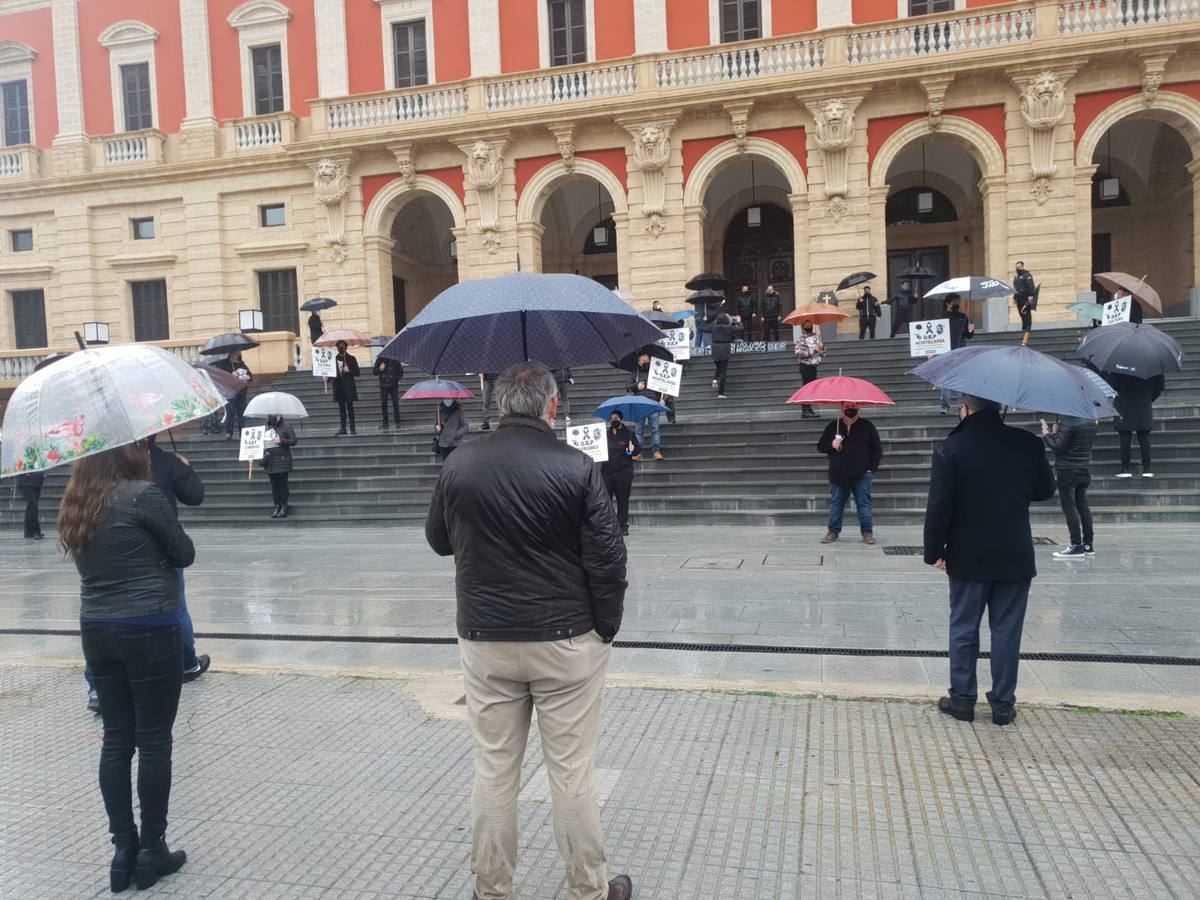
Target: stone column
[1083,224]
[71,153]
[624,251]
[377,254]
[693,239]
[333,79]
[483,23]
[1194,169]
[994,191]
[205,270]
[199,136]
[801,262]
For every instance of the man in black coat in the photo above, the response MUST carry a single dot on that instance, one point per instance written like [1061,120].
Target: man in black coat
[1135,415]
[235,407]
[29,486]
[985,475]
[1025,298]
[618,469]
[771,312]
[724,333]
[637,386]
[855,452]
[1071,439]
[869,312]
[747,306]
[903,304]
[961,331]
[345,391]
[540,581]
[389,372]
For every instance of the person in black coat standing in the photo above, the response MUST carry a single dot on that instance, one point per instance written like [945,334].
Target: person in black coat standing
[1135,407]
[345,392]
[316,328]
[724,333]
[235,408]
[1071,439]
[985,475]
[961,331]
[29,486]
[618,470]
[1025,298]
[389,372]
[855,452]
[278,441]
[869,312]
[746,307]
[903,305]
[771,312]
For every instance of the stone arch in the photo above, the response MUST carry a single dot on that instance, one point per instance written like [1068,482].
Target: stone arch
[723,154]
[972,137]
[1176,110]
[542,185]
[395,195]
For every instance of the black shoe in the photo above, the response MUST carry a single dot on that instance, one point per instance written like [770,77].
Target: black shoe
[283,511]
[120,872]
[625,530]
[34,537]
[341,432]
[93,703]
[156,861]
[1071,551]
[352,430]
[950,708]
[485,427]
[1089,550]
[1003,715]
[275,513]
[201,666]
[620,888]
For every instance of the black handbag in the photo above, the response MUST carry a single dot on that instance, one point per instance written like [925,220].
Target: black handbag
[435,445]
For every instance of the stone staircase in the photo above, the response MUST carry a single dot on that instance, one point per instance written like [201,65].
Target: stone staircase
[749,459]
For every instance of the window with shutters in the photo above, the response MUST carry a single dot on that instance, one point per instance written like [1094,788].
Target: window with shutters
[568,32]
[14,95]
[267,63]
[135,96]
[741,20]
[29,319]
[150,321]
[412,62]
[277,299]
[925,7]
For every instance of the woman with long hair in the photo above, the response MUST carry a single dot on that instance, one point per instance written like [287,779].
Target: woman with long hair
[127,543]
[277,461]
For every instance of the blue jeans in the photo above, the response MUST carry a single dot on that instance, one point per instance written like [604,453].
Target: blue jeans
[186,632]
[951,399]
[839,494]
[655,440]
[1005,602]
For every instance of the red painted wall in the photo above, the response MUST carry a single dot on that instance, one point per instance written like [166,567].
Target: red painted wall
[687,24]
[872,10]
[452,177]
[97,15]
[612,159]
[518,35]
[795,16]
[450,29]
[34,29]
[971,4]
[694,150]
[227,66]
[364,39]
[791,139]
[990,117]
[1089,106]
[879,130]
[614,29]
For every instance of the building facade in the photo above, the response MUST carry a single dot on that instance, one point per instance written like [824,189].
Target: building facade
[167,165]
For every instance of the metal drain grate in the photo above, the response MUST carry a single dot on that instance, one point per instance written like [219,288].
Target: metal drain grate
[903,550]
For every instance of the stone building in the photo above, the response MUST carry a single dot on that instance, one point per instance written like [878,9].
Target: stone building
[167,165]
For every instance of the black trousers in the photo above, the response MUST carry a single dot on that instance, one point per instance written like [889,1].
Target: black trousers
[138,673]
[31,495]
[346,411]
[1005,602]
[279,488]
[770,327]
[1026,318]
[444,452]
[392,393]
[1127,448]
[807,374]
[865,325]
[1072,494]
[898,324]
[234,419]
[722,370]
[619,483]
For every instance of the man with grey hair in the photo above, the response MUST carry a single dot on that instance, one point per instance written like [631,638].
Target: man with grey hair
[540,581]
[985,475]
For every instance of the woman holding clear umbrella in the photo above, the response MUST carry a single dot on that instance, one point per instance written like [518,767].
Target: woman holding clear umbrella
[278,441]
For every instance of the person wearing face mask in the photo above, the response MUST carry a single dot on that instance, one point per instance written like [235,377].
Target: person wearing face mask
[345,391]
[869,312]
[278,441]
[452,427]
[771,312]
[1025,297]
[903,304]
[637,387]
[855,451]
[724,333]
[810,350]
[746,307]
[618,469]
[961,331]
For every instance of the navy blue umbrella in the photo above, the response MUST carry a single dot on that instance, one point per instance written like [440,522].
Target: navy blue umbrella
[490,324]
[633,408]
[1018,377]
[316,304]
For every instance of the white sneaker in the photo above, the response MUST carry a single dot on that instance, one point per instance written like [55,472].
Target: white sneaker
[1072,551]
[1147,474]
[722,397]
[1124,475]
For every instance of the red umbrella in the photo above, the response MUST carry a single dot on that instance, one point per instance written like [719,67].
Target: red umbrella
[437,389]
[839,389]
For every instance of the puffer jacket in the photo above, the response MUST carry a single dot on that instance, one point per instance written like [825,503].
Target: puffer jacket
[277,460]
[723,337]
[1072,443]
[128,570]
[536,545]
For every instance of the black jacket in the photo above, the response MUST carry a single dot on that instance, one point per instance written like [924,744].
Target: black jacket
[454,426]
[1072,443]
[723,337]
[1023,288]
[227,365]
[746,305]
[277,460]
[861,452]
[985,475]
[902,306]
[772,306]
[960,331]
[639,376]
[29,485]
[537,549]
[389,373]
[176,479]
[128,570]
[868,307]
[315,328]
[620,441]
[1135,400]
[344,387]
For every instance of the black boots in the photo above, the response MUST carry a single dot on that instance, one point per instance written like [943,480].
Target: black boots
[275,513]
[155,861]
[120,873]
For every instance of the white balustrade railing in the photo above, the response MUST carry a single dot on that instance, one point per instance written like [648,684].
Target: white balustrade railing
[546,88]
[943,34]
[121,150]
[11,165]
[369,112]
[14,368]
[739,63]
[189,353]
[1084,16]
[256,135]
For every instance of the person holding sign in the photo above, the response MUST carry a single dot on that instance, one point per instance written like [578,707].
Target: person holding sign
[810,351]
[637,386]
[855,451]
[345,392]
[236,408]
[618,470]
[724,333]
[278,441]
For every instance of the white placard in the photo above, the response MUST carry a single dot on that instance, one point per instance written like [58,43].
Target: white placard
[324,365]
[929,338]
[1117,311]
[252,443]
[591,439]
[678,341]
[664,376]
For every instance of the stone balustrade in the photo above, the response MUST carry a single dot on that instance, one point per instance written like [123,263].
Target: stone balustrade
[957,32]
[129,148]
[393,107]
[565,84]
[20,161]
[1086,16]
[761,59]
[260,132]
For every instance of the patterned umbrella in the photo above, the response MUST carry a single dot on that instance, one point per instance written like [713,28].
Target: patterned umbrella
[838,389]
[95,400]
[971,287]
[352,338]
[437,389]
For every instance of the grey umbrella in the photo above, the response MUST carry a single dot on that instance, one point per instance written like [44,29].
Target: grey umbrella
[226,343]
[1138,350]
[1018,377]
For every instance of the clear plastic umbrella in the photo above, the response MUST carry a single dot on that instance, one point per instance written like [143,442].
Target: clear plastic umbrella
[276,403]
[95,400]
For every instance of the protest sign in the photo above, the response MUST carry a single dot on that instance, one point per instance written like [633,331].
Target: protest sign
[1116,311]
[590,439]
[678,341]
[929,338]
[252,443]
[324,365]
[665,376]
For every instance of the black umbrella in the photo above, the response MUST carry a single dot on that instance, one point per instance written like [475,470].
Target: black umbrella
[224,344]
[1138,350]
[630,362]
[918,272]
[706,297]
[660,319]
[709,281]
[316,304]
[857,278]
[50,360]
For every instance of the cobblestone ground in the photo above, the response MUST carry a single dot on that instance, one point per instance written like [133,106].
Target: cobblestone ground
[296,787]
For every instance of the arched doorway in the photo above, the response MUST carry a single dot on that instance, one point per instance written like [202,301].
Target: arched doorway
[579,232]
[1142,208]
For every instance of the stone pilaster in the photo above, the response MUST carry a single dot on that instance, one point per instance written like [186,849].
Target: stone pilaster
[333,79]
[199,136]
[71,154]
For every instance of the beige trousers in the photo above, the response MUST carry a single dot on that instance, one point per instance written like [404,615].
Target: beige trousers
[564,680]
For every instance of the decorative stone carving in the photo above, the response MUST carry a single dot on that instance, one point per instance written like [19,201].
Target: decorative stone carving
[331,185]
[935,92]
[1154,66]
[564,136]
[651,151]
[485,168]
[406,162]
[1043,103]
[835,132]
[739,117]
